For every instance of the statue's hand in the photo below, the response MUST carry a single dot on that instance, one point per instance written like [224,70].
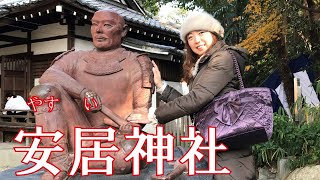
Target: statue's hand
[127,128]
[91,100]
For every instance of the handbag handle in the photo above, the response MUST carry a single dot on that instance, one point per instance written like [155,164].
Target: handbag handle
[237,68]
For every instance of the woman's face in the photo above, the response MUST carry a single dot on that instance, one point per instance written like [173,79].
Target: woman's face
[201,41]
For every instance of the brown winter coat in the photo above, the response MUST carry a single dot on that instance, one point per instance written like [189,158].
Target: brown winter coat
[216,76]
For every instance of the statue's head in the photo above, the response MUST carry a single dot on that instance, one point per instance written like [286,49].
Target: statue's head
[108,29]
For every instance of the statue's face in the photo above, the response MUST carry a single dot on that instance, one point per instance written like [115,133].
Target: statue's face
[107,30]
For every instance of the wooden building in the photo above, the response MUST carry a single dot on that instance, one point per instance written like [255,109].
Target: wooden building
[34,32]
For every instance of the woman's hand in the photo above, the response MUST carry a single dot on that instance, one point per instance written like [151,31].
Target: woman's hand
[139,118]
[156,75]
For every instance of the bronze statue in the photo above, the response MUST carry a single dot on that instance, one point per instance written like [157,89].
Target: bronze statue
[120,81]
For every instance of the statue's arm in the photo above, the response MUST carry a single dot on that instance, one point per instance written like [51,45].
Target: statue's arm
[143,86]
[62,72]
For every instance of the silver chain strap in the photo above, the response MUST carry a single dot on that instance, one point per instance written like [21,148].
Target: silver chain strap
[236,66]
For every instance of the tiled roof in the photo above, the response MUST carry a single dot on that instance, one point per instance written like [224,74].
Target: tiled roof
[6,5]
[152,46]
[128,14]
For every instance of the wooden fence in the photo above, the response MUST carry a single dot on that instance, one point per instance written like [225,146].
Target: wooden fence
[178,128]
[13,123]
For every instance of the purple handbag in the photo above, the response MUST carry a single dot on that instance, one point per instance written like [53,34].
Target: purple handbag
[242,118]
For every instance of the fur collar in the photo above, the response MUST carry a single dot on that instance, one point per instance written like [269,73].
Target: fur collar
[195,68]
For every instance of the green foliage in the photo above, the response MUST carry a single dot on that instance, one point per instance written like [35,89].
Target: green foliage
[308,136]
[234,20]
[207,5]
[298,36]
[259,67]
[263,34]
[269,152]
[151,6]
[297,141]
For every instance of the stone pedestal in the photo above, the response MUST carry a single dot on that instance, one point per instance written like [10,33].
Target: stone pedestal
[305,173]
[145,174]
[282,169]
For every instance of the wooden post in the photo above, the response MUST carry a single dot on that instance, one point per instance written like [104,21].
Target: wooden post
[71,31]
[1,136]
[28,140]
[2,98]
[297,94]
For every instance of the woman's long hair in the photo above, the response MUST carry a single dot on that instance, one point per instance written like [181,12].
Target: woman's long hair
[190,59]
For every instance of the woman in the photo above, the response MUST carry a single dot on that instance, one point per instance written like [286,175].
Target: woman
[209,72]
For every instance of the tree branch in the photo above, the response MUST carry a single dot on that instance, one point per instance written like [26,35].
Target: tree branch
[306,8]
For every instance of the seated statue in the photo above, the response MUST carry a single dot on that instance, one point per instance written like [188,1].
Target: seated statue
[114,83]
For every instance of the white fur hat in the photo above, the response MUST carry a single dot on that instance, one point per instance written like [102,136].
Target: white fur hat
[200,21]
